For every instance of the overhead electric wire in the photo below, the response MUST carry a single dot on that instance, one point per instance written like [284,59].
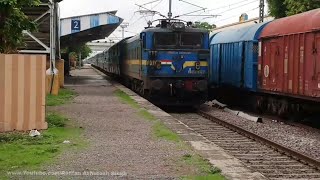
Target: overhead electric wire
[189,13]
[155,7]
[137,20]
[151,10]
[150,2]
[222,7]
[146,4]
[132,16]
[230,9]
[156,4]
[235,15]
[238,6]
[193,4]
[131,32]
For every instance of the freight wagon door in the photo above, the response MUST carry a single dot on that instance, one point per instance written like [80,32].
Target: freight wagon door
[214,64]
[316,52]
[269,67]
[273,65]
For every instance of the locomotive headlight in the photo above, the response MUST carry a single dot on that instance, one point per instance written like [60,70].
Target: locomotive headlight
[178,26]
[197,65]
[158,64]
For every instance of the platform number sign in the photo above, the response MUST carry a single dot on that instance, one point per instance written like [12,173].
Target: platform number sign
[75,25]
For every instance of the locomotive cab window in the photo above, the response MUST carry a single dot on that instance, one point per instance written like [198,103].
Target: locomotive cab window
[191,39]
[164,40]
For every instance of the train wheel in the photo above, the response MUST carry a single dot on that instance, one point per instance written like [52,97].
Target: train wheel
[259,105]
[283,108]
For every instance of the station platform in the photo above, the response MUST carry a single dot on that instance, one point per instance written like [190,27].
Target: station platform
[122,139]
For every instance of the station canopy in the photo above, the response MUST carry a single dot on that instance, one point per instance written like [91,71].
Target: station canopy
[66,31]
[82,29]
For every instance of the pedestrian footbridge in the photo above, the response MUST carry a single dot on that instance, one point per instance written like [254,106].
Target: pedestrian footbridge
[82,29]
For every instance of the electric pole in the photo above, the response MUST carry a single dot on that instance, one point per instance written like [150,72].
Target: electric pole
[261,11]
[123,25]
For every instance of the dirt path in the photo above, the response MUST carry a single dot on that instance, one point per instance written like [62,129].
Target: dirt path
[119,139]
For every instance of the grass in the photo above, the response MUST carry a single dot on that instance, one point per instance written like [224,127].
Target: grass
[146,115]
[65,95]
[159,130]
[162,132]
[126,99]
[206,170]
[205,177]
[22,152]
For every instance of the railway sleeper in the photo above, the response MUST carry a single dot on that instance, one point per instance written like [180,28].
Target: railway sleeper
[279,166]
[290,176]
[272,170]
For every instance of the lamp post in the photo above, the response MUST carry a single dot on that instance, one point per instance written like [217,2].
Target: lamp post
[124,25]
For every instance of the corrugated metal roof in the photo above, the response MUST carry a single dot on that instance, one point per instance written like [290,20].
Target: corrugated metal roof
[92,14]
[85,28]
[299,23]
[248,33]
[241,24]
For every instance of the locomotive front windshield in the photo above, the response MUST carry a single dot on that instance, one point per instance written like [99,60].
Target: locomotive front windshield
[178,40]
[191,39]
[165,39]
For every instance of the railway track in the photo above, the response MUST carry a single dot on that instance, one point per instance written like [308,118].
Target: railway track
[259,154]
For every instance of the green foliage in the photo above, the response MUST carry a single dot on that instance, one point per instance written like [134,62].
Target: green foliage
[283,8]
[22,152]
[12,22]
[6,137]
[277,8]
[204,25]
[85,51]
[56,120]
[75,50]
[162,132]
[63,97]
[146,115]
[207,171]
[126,98]
[299,6]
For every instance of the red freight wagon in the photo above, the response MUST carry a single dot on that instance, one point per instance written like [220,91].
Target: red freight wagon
[289,57]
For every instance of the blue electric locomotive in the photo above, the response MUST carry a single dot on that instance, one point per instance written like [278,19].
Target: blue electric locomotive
[167,63]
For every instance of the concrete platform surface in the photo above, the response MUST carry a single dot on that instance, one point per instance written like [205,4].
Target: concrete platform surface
[122,141]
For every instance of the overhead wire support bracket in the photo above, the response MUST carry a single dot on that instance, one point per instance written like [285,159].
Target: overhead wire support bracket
[141,6]
[150,2]
[193,4]
[190,13]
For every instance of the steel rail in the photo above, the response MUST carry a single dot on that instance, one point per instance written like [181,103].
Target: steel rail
[288,151]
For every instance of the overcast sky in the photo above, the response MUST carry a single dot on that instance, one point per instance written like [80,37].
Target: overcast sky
[230,10]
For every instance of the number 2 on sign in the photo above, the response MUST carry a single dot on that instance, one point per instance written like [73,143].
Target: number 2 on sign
[75,25]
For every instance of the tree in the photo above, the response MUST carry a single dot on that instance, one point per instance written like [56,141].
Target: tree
[277,8]
[72,53]
[283,8]
[85,51]
[82,48]
[12,22]
[204,25]
[299,6]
